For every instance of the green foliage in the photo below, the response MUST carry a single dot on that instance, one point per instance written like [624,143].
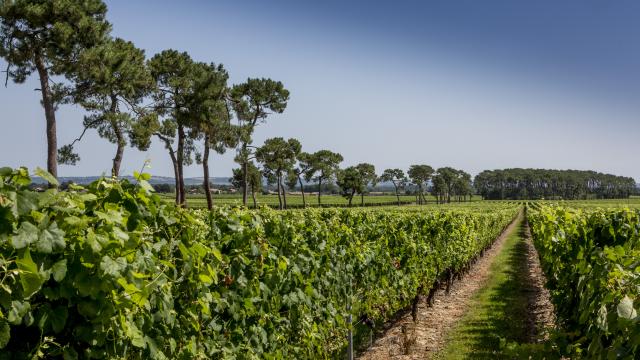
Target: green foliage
[278,155]
[255,178]
[255,98]
[591,258]
[50,31]
[109,80]
[552,184]
[350,181]
[114,272]
[323,164]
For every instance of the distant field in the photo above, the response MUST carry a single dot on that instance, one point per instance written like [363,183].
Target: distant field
[199,200]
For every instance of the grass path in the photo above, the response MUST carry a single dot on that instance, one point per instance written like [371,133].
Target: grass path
[498,323]
[405,339]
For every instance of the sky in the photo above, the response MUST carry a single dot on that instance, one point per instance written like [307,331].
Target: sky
[470,84]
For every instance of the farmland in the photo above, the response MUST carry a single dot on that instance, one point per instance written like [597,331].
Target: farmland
[197,201]
[245,281]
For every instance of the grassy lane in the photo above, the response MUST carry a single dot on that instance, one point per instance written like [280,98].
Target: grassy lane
[497,324]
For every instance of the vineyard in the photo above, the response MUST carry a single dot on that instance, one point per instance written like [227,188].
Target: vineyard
[185,284]
[114,271]
[592,259]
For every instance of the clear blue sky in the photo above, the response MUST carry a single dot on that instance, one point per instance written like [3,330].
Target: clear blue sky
[470,84]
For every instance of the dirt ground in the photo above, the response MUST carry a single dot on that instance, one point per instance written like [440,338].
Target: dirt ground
[540,307]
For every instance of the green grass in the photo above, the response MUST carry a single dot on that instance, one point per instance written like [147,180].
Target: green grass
[199,200]
[495,326]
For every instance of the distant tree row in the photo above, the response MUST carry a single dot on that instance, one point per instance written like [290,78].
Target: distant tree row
[551,184]
[283,164]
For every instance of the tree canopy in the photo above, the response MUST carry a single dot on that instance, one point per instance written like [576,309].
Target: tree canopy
[323,166]
[420,176]
[47,37]
[110,80]
[253,101]
[551,184]
[278,157]
[396,177]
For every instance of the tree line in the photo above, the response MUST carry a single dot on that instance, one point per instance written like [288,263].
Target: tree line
[552,184]
[183,103]
[190,107]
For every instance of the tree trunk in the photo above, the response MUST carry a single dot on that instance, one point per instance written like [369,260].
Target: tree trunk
[304,202]
[205,170]
[50,116]
[319,189]
[397,196]
[117,160]
[174,161]
[253,196]
[284,195]
[245,173]
[181,135]
[353,193]
[362,199]
[279,193]
[120,141]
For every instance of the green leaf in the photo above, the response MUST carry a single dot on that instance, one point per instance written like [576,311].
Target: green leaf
[59,270]
[5,331]
[47,176]
[626,310]
[112,267]
[29,277]
[17,311]
[69,353]
[217,253]
[5,171]
[58,318]
[134,334]
[26,201]
[601,320]
[51,238]
[27,234]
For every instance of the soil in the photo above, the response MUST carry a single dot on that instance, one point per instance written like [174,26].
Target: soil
[541,310]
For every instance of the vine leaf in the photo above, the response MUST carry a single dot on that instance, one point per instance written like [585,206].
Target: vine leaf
[29,277]
[5,334]
[626,310]
[27,234]
[47,176]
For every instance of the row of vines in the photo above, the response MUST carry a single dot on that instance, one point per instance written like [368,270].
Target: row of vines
[591,258]
[112,271]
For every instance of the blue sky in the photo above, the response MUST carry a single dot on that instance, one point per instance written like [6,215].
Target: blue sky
[470,84]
